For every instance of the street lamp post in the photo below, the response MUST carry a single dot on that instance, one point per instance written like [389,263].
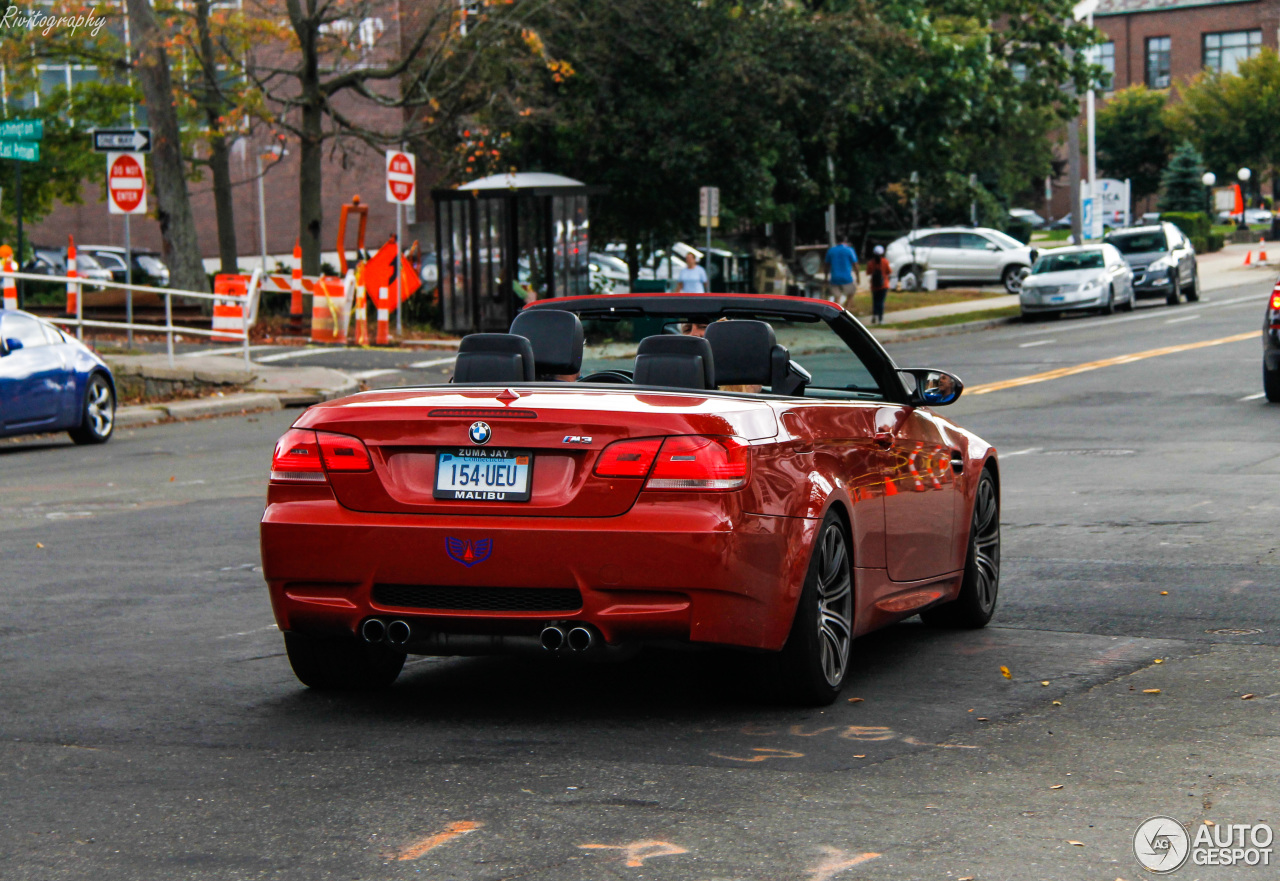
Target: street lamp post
[1244,174]
[1209,179]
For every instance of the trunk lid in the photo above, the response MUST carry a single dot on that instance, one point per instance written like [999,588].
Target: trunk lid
[562,431]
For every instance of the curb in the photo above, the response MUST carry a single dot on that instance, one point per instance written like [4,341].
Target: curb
[150,414]
[921,333]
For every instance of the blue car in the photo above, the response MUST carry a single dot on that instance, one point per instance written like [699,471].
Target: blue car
[52,382]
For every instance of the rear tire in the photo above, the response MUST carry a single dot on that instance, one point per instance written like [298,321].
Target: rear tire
[976,602]
[815,660]
[1271,384]
[341,663]
[98,414]
[1193,295]
[1110,307]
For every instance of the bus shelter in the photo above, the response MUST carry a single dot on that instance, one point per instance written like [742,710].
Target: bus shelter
[506,240]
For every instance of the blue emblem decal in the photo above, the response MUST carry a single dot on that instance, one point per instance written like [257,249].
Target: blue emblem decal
[479,433]
[468,553]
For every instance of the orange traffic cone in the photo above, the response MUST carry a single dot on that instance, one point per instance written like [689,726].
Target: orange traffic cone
[1262,249]
[73,289]
[384,318]
[362,310]
[295,302]
[10,289]
[1248,259]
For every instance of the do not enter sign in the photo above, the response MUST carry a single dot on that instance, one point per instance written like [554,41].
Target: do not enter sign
[126,183]
[401,168]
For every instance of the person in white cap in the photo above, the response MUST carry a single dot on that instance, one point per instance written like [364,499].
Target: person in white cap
[878,274]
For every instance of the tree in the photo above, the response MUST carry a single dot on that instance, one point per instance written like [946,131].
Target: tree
[1134,138]
[179,244]
[1231,116]
[332,58]
[1181,187]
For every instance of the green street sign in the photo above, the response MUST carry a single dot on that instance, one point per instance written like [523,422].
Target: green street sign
[27,151]
[22,129]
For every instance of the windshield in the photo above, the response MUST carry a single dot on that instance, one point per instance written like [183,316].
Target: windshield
[836,370]
[150,264]
[1006,241]
[1139,242]
[1069,262]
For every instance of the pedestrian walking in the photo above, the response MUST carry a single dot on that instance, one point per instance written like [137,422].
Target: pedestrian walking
[842,271]
[693,278]
[878,273]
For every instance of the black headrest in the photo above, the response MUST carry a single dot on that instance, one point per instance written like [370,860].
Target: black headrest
[494,357]
[676,361]
[743,352]
[556,337]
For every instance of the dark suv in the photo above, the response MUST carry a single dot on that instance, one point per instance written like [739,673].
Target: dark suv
[1162,259]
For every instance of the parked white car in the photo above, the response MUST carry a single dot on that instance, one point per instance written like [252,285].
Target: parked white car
[960,254]
[1084,277]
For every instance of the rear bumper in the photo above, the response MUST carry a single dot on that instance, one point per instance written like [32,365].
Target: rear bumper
[667,569]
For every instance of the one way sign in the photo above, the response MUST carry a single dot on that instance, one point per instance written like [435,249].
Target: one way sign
[122,140]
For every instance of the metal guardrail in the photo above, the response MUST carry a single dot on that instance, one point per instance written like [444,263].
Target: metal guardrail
[248,302]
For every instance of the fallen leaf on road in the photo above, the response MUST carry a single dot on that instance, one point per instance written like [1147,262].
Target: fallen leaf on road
[1210,823]
[1246,697]
[1056,786]
[1075,843]
[1004,671]
[1150,691]
[39,545]
[965,878]
[1057,703]
[172,479]
[863,756]
[1159,660]
[982,718]
[855,700]
[1044,681]
[1164,593]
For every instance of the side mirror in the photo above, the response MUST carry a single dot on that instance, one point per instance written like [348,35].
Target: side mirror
[10,345]
[931,388]
[1034,254]
[992,246]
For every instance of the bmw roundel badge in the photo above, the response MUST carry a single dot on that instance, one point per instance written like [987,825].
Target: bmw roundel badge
[479,433]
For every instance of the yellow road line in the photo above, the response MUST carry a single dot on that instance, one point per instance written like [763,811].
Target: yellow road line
[1105,362]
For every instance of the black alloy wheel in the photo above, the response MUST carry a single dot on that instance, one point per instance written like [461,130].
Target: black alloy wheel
[976,602]
[814,662]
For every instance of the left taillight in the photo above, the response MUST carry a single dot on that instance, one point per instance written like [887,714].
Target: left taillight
[302,455]
[700,463]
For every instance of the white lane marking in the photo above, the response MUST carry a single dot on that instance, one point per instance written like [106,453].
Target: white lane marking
[246,632]
[370,374]
[1021,452]
[1036,343]
[1251,397]
[434,362]
[1183,318]
[298,353]
[1148,314]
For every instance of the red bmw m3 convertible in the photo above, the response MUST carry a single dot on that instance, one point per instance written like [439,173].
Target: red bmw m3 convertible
[729,470]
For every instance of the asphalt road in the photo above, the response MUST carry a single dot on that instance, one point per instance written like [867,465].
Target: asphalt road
[150,726]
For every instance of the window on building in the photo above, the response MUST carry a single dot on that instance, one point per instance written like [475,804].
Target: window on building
[1159,68]
[1224,52]
[1105,57]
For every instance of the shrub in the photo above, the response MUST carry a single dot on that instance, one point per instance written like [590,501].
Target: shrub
[1192,223]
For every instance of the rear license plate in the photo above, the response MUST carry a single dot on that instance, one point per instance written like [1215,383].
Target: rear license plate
[483,475]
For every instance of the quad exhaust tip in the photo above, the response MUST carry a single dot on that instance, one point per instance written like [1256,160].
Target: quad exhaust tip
[398,632]
[581,638]
[552,638]
[373,630]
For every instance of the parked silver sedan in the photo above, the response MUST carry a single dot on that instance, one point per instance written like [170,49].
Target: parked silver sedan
[1092,277]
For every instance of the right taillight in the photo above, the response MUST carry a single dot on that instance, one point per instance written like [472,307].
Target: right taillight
[297,457]
[700,463]
[1275,301]
[628,458]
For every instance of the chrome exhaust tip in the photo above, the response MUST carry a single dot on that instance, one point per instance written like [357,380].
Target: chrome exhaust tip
[581,638]
[398,632]
[373,630]
[552,638]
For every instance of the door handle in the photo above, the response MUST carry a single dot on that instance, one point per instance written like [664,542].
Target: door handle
[884,439]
